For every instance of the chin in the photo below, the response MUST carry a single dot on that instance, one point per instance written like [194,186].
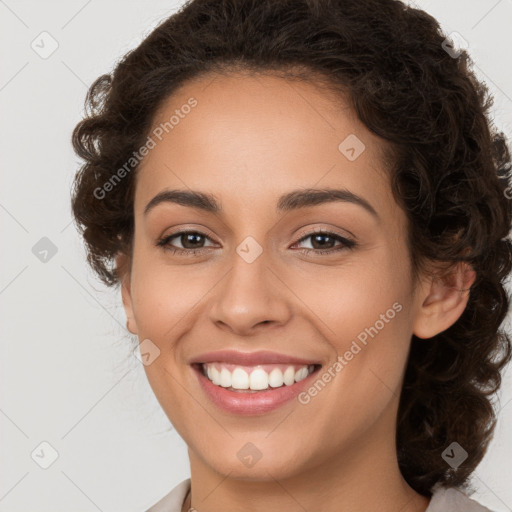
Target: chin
[268,467]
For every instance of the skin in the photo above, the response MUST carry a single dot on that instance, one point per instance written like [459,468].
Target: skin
[249,140]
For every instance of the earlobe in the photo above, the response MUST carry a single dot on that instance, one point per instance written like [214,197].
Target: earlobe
[443,301]
[124,276]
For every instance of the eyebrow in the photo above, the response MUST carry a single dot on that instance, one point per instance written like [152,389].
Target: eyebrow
[294,200]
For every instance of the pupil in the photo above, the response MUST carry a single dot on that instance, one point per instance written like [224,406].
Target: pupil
[316,237]
[189,238]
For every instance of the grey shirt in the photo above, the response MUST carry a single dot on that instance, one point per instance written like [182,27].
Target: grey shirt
[443,500]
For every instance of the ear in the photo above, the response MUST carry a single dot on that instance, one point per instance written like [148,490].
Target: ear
[123,266]
[442,300]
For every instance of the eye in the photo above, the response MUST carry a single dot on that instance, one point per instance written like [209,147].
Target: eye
[190,240]
[322,242]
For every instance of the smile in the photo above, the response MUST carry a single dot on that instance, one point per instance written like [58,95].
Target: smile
[255,378]
[252,384]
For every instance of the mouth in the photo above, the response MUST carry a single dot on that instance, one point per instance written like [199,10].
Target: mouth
[254,379]
[253,389]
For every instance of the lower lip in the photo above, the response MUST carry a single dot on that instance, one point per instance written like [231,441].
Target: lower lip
[250,404]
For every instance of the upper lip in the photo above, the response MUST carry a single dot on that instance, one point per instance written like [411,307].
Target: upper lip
[249,358]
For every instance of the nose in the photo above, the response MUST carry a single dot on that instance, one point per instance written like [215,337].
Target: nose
[249,296]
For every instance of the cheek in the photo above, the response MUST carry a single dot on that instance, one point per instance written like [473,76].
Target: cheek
[164,295]
[368,292]
[367,320]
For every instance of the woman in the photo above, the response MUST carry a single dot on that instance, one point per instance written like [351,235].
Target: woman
[305,206]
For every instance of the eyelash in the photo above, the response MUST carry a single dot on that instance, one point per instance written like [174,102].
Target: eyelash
[346,243]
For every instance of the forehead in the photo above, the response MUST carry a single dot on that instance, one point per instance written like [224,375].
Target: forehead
[247,137]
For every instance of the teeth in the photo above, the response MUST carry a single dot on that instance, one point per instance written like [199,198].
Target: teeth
[240,379]
[256,379]
[225,378]
[275,379]
[289,376]
[215,376]
[301,374]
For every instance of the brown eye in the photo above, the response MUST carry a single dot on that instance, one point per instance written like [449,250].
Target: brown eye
[323,242]
[191,241]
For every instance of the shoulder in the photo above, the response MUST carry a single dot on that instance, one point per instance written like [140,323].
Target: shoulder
[173,501]
[452,499]
[443,500]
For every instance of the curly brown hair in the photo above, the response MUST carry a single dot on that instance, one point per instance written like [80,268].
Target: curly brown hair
[449,168]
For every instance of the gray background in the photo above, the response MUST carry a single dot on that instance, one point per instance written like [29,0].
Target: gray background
[67,373]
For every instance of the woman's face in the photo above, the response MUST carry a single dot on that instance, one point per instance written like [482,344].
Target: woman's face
[260,280]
